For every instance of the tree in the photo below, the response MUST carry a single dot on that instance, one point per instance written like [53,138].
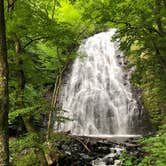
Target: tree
[4,152]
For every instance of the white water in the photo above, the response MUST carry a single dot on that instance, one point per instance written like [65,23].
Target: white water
[114,136]
[97,95]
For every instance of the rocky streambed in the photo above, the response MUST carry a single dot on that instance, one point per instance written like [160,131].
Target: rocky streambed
[95,151]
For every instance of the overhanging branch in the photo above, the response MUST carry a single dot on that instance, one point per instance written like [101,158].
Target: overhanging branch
[35,39]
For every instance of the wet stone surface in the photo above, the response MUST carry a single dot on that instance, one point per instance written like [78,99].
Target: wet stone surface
[95,152]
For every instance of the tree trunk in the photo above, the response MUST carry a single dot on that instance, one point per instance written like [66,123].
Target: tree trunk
[4,151]
[22,82]
[159,20]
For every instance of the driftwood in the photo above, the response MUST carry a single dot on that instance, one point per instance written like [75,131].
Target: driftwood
[79,139]
[86,141]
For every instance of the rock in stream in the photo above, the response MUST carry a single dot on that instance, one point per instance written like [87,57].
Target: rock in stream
[88,151]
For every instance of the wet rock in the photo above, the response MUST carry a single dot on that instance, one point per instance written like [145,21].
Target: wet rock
[117,163]
[109,161]
[68,153]
[113,150]
[102,152]
[111,155]
[85,156]
[118,56]
[98,162]
[125,84]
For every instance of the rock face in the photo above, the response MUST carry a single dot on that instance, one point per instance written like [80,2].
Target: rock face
[85,151]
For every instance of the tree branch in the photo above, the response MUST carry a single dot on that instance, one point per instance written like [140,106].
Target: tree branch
[53,10]
[11,5]
[35,39]
[121,22]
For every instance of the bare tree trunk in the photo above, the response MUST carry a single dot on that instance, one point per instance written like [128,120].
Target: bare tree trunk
[54,101]
[4,151]
[53,106]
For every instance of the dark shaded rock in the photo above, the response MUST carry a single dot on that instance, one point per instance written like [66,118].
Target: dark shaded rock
[109,161]
[104,150]
[118,56]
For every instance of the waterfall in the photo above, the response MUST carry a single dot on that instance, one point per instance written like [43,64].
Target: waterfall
[97,95]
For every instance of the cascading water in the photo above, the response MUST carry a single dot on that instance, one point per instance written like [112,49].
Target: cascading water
[97,95]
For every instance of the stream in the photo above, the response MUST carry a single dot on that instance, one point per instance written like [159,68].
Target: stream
[95,151]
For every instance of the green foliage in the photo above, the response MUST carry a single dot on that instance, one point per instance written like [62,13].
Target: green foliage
[128,159]
[148,77]
[27,160]
[68,13]
[49,33]
[22,150]
[20,112]
[154,149]
[56,139]
[26,141]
